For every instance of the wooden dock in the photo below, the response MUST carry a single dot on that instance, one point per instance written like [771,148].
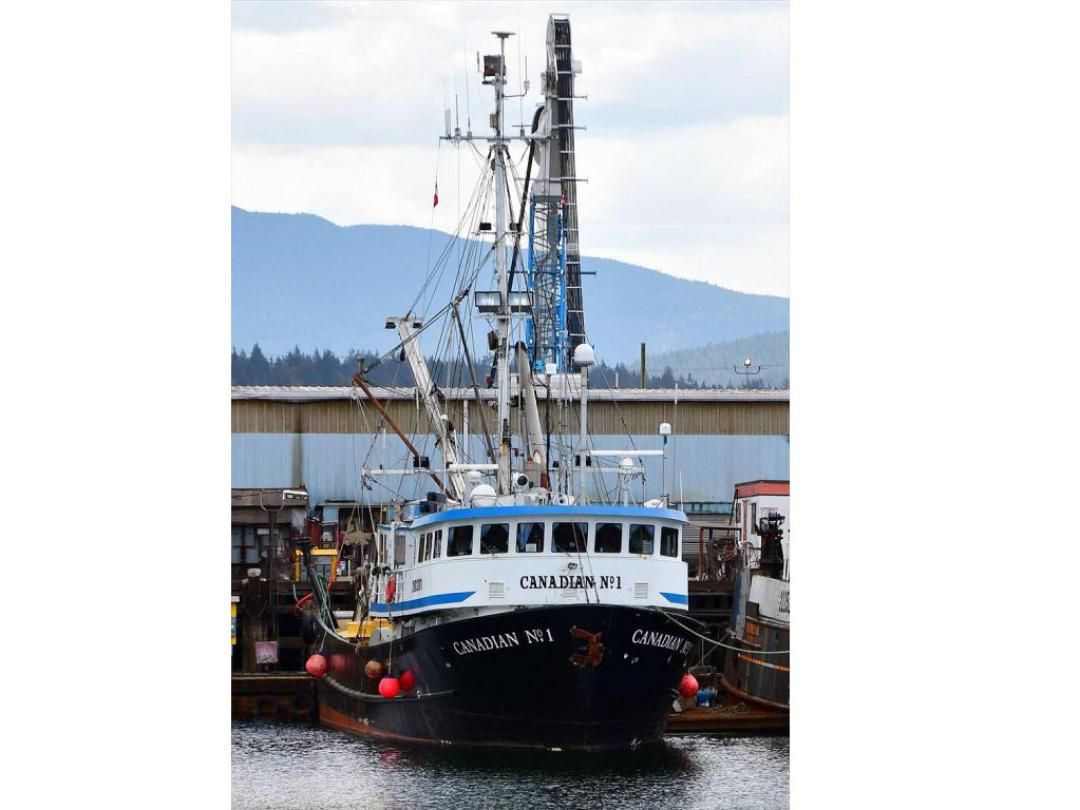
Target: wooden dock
[280,695]
[735,720]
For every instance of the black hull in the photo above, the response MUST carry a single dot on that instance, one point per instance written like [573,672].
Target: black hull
[523,679]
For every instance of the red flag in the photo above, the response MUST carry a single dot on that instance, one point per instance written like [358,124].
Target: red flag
[436,202]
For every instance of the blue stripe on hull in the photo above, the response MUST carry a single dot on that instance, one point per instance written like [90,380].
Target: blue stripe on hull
[583,512]
[423,601]
[677,598]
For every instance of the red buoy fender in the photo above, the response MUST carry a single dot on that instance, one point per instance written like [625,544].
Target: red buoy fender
[389,687]
[391,588]
[688,687]
[316,666]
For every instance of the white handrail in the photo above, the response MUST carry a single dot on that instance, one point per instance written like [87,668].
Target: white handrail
[595,453]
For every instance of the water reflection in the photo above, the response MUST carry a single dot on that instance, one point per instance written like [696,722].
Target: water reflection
[295,766]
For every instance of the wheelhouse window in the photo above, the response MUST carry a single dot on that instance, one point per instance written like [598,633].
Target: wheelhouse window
[437,540]
[460,544]
[530,538]
[569,537]
[399,549]
[669,542]
[642,538]
[608,538]
[494,538]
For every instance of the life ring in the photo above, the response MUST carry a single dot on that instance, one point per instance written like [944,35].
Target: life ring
[391,588]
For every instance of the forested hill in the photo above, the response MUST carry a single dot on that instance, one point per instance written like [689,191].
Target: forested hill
[299,280]
[721,364]
[326,368]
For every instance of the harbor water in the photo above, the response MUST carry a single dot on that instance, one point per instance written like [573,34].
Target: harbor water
[299,767]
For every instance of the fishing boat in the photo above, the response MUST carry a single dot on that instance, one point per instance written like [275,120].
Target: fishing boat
[522,602]
[758,668]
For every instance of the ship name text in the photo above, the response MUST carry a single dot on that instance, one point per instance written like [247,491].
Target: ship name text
[569,582]
[502,641]
[665,641]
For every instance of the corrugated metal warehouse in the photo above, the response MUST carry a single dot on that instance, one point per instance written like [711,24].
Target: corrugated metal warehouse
[321,438]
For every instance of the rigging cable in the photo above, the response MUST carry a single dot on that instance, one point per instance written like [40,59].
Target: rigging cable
[690,630]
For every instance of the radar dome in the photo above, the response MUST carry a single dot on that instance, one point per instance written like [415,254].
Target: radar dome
[584,355]
[482,495]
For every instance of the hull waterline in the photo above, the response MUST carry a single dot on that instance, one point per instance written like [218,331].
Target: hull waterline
[586,677]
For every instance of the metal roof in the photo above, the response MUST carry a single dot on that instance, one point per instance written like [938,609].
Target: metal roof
[317,393]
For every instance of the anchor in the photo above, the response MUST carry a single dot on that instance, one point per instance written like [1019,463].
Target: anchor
[594,651]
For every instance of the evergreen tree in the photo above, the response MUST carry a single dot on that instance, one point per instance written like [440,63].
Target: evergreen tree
[328,369]
[258,367]
[240,375]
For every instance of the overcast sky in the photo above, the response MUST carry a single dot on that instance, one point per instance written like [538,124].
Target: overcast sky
[337,108]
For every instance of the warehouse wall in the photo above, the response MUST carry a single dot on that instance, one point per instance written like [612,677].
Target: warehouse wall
[329,463]
[606,417]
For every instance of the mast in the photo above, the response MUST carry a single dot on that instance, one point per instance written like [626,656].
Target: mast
[556,326]
[533,435]
[502,353]
[433,399]
[501,303]
[418,459]
[562,166]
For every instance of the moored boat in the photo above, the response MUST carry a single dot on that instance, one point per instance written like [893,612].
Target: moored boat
[758,670]
[534,612]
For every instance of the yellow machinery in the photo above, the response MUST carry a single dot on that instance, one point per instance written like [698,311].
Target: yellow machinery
[364,629]
[324,560]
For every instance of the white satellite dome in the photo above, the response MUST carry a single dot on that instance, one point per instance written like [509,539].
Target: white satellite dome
[482,495]
[584,355]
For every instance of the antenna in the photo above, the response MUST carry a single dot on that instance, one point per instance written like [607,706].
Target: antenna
[446,109]
[465,70]
[521,90]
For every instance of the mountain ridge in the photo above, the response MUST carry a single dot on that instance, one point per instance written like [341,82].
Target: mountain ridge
[297,277]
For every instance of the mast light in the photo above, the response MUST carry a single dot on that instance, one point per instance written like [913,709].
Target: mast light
[490,301]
